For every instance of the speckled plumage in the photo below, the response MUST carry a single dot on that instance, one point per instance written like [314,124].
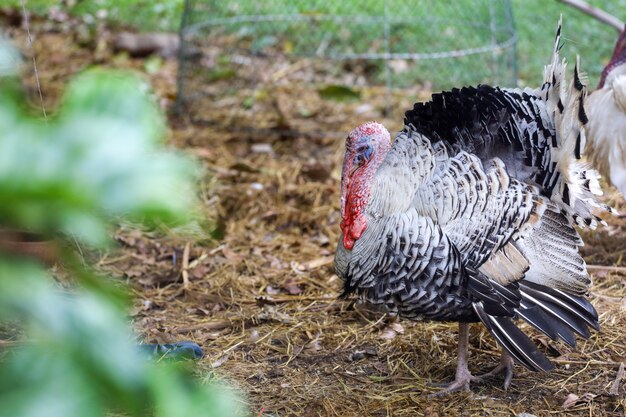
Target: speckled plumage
[470,215]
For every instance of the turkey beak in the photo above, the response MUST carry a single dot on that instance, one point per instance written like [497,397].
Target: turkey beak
[354,168]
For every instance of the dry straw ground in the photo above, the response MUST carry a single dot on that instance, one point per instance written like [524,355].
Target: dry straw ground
[262,300]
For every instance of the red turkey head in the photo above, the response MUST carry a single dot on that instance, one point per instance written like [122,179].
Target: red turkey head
[366,147]
[618,58]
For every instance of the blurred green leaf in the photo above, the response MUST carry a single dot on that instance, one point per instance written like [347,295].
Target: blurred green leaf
[220,73]
[339,93]
[153,64]
[83,351]
[10,59]
[169,389]
[99,159]
[264,42]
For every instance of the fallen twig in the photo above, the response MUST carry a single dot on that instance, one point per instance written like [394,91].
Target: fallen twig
[606,268]
[312,264]
[212,325]
[267,299]
[618,378]
[104,261]
[590,363]
[185,269]
[145,44]
[607,297]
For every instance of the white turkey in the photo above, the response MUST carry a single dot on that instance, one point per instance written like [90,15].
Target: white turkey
[606,130]
[468,216]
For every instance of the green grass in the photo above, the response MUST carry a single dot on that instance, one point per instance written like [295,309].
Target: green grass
[592,40]
[535,22]
[142,14]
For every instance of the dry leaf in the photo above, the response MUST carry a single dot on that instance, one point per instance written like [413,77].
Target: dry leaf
[572,399]
[230,254]
[144,44]
[292,287]
[321,239]
[203,153]
[272,290]
[134,271]
[363,108]
[313,346]
[262,148]
[254,335]
[199,271]
[316,172]
[430,412]
[614,390]
[275,263]
[312,264]
[601,273]
[553,348]
[363,353]
[270,313]
[397,327]
[388,333]
[220,361]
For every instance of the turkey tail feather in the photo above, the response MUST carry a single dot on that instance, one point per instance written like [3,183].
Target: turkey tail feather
[514,341]
[556,313]
[539,134]
[537,318]
[575,185]
[576,309]
[553,312]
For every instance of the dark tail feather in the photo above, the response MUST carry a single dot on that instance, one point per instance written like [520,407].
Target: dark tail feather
[552,327]
[574,311]
[539,320]
[580,305]
[516,343]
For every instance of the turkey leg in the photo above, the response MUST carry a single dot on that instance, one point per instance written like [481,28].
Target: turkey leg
[463,376]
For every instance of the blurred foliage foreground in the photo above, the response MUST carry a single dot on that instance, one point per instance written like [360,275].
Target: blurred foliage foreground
[101,158]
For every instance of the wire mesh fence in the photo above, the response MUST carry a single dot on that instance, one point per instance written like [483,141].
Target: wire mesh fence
[285,65]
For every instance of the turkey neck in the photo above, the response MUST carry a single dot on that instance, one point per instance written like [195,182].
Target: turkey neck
[356,192]
[618,58]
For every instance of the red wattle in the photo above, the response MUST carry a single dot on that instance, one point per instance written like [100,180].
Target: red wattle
[348,242]
[354,222]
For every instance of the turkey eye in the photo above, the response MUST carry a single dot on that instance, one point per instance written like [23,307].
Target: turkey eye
[367,152]
[359,159]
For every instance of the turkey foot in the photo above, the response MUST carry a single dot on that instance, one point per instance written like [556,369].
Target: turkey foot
[463,376]
[505,366]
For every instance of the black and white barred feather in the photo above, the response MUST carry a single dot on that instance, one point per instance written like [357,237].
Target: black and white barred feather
[472,213]
[538,133]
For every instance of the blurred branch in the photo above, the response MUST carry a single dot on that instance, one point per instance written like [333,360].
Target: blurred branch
[596,13]
[30,45]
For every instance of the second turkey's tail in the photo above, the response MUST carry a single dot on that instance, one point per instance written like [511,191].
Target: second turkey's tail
[574,184]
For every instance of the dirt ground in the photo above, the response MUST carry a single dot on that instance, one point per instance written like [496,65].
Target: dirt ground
[261,298]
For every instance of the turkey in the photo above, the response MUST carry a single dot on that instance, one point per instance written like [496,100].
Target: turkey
[606,109]
[468,216]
